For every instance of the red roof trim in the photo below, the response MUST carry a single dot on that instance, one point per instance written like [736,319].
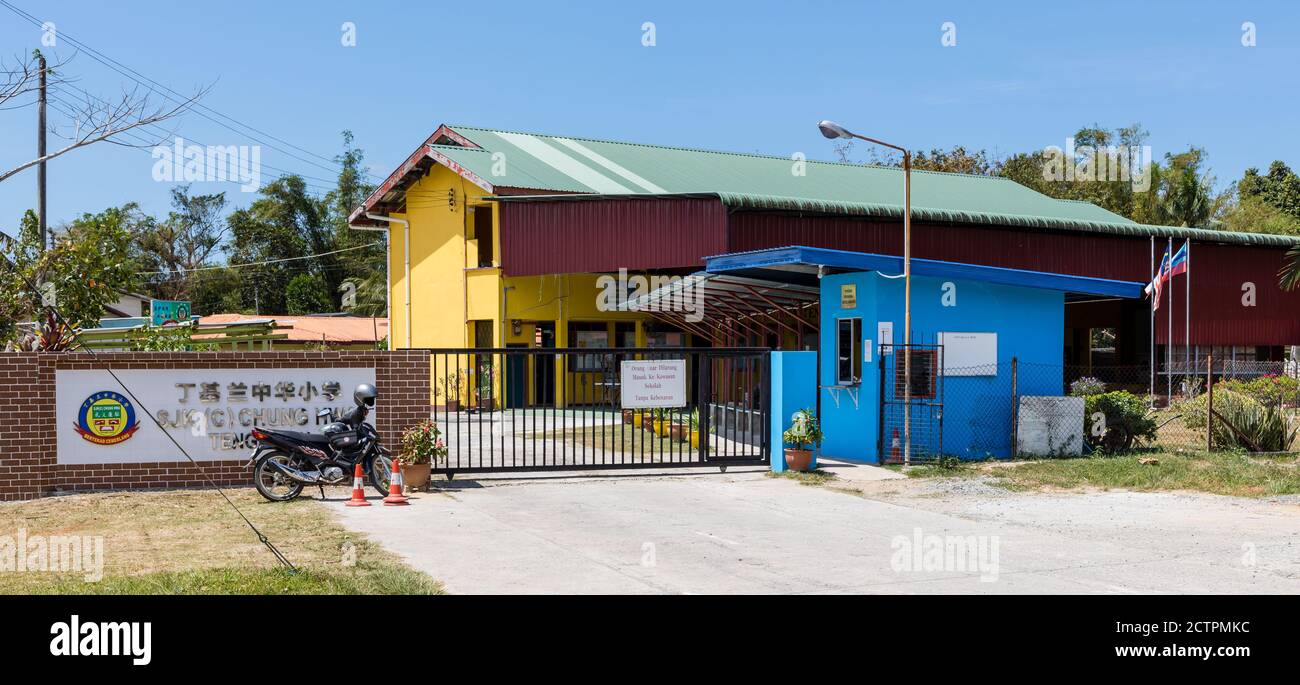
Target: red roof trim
[407,166]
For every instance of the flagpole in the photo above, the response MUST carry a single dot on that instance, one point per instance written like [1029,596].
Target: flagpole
[1187,313]
[1169,331]
[1151,360]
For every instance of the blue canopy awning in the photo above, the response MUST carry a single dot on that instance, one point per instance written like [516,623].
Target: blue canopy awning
[795,264]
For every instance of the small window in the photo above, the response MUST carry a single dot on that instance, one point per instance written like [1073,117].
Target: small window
[483,234]
[924,373]
[848,350]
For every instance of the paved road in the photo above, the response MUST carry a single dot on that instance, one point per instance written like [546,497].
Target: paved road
[746,533]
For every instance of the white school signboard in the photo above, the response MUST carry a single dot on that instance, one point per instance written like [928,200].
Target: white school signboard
[655,384]
[210,412]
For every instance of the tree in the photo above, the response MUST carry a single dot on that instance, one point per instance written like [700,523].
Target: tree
[259,235]
[187,240]
[369,295]
[306,294]
[1280,188]
[1250,214]
[89,119]
[366,251]
[286,223]
[89,262]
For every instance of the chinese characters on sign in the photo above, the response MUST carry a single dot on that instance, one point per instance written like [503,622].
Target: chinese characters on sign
[223,425]
[210,412]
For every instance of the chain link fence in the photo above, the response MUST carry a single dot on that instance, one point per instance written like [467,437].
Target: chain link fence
[1023,409]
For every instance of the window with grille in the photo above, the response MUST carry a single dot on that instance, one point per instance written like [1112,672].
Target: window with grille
[924,373]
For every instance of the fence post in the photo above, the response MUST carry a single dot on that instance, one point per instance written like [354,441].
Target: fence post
[704,364]
[1015,407]
[1209,403]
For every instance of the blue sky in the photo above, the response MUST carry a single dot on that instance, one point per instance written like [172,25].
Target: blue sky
[743,76]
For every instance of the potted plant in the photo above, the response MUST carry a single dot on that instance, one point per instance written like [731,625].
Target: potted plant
[451,389]
[694,423]
[647,420]
[659,425]
[485,388]
[628,416]
[804,431]
[422,445]
[677,429]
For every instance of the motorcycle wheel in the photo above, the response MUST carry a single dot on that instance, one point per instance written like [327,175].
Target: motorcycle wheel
[380,470]
[272,484]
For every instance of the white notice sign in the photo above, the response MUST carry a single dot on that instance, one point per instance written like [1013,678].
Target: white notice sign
[885,334]
[654,384]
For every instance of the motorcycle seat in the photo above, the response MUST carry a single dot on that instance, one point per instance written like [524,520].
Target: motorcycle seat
[307,438]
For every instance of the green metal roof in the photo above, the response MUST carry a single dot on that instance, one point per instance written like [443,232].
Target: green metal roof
[601,168]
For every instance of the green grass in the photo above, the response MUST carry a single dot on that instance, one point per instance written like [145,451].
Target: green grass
[1219,473]
[191,542]
[375,580]
[815,477]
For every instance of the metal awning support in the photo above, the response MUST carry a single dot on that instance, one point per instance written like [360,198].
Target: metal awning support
[732,303]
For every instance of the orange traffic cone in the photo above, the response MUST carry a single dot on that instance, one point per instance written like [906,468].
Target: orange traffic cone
[358,490]
[895,455]
[395,496]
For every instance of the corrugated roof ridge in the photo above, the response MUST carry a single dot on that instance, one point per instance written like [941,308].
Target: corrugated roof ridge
[1035,219]
[755,155]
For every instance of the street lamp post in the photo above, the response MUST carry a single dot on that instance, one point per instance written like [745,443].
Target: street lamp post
[831,129]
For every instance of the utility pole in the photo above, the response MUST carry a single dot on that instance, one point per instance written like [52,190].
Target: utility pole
[40,153]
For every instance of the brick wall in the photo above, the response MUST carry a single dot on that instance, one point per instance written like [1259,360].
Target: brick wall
[29,465]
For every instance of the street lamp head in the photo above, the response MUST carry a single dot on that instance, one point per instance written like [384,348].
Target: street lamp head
[831,129]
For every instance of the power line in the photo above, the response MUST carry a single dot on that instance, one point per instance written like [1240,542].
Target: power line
[199,108]
[59,105]
[157,128]
[269,261]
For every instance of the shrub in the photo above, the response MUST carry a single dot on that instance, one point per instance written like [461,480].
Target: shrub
[1087,387]
[1257,425]
[1272,390]
[423,444]
[804,430]
[1262,425]
[1126,420]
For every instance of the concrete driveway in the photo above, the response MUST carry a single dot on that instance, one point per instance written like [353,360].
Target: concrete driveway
[743,532]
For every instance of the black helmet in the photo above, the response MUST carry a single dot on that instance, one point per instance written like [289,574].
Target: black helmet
[365,394]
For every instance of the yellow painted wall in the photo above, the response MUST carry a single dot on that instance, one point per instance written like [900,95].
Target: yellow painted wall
[448,294]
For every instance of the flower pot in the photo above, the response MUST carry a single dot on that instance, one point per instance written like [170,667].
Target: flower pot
[798,460]
[660,426]
[695,440]
[485,404]
[452,405]
[678,432]
[628,416]
[647,422]
[416,476]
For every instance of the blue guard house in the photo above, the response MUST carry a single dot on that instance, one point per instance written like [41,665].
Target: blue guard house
[969,323]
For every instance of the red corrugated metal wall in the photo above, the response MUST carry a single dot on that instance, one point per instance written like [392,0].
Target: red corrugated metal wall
[557,237]
[1219,271]
[587,236]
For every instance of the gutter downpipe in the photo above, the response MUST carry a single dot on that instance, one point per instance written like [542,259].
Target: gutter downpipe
[406,262]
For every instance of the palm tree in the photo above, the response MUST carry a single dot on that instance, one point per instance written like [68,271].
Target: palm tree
[1289,276]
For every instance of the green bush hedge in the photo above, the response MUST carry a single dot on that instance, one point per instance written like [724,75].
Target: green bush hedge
[1126,421]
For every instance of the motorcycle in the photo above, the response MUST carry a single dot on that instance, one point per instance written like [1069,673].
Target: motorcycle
[284,462]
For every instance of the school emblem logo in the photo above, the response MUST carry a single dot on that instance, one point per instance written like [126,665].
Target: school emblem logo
[107,418]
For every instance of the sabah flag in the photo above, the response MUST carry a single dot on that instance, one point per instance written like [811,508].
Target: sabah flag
[1155,287]
[1179,263]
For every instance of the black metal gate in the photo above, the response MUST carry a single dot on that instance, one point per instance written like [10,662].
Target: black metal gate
[926,406]
[536,408]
